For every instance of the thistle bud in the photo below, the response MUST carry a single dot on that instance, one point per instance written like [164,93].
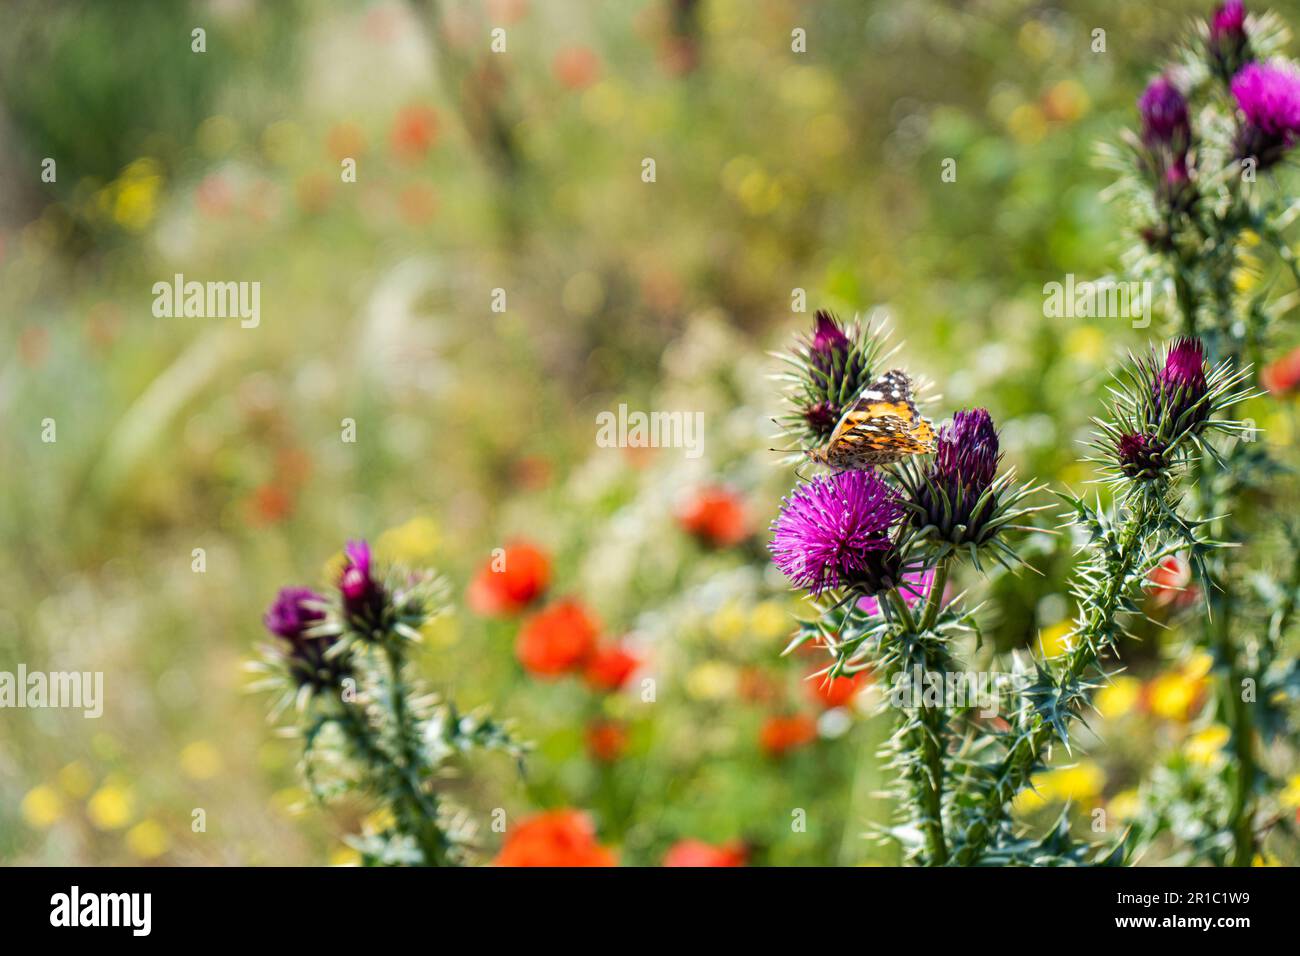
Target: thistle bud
[1227,45]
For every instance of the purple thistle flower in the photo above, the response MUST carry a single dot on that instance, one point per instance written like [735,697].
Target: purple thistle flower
[828,335]
[831,531]
[1227,45]
[362,595]
[1181,384]
[1269,98]
[968,451]
[1228,20]
[953,497]
[1165,122]
[290,615]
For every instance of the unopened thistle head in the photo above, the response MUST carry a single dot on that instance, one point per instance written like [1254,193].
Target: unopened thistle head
[363,595]
[1165,122]
[833,532]
[1139,456]
[957,497]
[290,618]
[831,366]
[1268,96]
[1180,385]
[1227,46]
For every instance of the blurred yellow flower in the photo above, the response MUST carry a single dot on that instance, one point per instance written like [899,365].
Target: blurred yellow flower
[1124,805]
[1054,640]
[132,198]
[413,542]
[728,623]
[769,620]
[1175,694]
[1265,859]
[1206,746]
[110,807]
[42,807]
[289,801]
[1083,781]
[344,856]
[1086,343]
[1290,795]
[147,840]
[200,760]
[1027,124]
[712,680]
[1118,698]
[76,780]
[379,820]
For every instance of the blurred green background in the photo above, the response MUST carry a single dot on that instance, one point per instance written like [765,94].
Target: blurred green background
[519,171]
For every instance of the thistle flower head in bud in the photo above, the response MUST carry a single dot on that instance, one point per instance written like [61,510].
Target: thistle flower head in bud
[1165,122]
[955,496]
[363,596]
[1268,96]
[833,532]
[1227,44]
[1181,383]
[290,616]
[1140,456]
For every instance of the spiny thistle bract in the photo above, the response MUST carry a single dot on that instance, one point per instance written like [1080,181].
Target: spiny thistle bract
[875,548]
[339,667]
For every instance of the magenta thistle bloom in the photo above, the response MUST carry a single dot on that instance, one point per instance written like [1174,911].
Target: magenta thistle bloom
[1181,384]
[1269,99]
[828,336]
[1164,116]
[363,596]
[831,531]
[1228,46]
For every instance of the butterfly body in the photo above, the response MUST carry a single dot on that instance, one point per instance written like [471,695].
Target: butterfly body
[882,426]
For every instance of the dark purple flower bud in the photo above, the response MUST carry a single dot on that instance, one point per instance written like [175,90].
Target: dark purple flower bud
[968,450]
[830,346]
[291,614]
[289,617]
[363,596]
[1164,116]
[822,417]
[1140,456]
[953,498]
[1227,45]
[1181,383]
[833,532]
[1269,98]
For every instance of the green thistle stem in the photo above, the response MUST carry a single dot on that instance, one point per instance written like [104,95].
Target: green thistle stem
[420,806]
[1093,633]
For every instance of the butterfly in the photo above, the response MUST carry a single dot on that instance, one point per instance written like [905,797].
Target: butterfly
[882,426]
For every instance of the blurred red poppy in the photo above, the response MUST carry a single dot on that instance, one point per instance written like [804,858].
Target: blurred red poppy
[606,740]
[839,691]
[557,640]
[1282,377]
[716,516]
[554,838]
[511,580]
[609,668]
[414,132]
[576,67]
[1170,583]
[699,853]
[780,735]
